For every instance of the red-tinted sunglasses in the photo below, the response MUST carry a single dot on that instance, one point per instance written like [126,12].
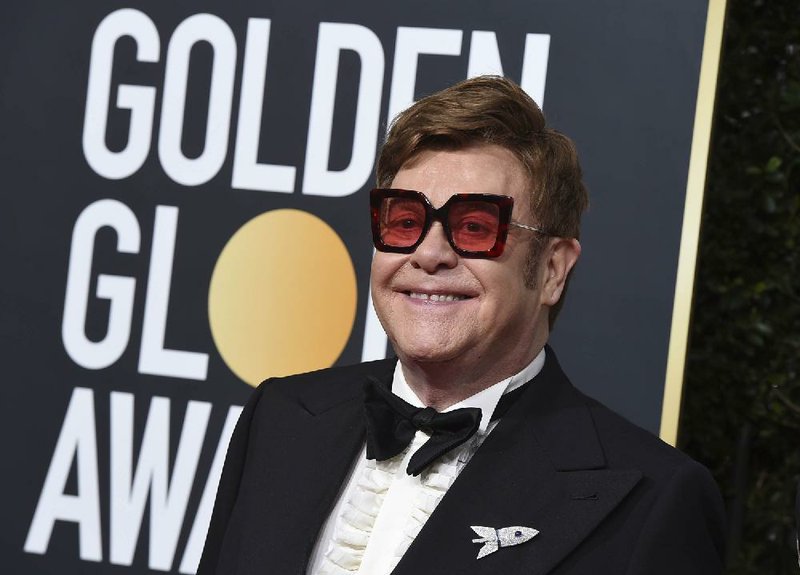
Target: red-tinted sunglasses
[476,225]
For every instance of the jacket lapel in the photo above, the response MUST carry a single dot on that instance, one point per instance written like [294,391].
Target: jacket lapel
[317,429]
[541,467]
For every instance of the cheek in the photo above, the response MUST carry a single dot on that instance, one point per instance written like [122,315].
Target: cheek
[500,279]
[512,297]
[384,270]
[381,267]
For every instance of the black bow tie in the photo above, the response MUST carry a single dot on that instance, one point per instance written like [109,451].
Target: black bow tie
[392,423]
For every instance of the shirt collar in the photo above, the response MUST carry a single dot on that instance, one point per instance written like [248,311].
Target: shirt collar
[486,400]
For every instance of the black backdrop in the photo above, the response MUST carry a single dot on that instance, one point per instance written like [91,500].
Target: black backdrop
[98,474]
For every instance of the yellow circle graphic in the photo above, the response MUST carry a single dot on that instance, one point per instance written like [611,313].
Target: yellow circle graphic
[283,296]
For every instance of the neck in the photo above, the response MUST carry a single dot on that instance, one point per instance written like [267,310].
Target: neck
[442,384]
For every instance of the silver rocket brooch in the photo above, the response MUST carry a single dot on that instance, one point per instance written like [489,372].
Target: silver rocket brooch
[493,539]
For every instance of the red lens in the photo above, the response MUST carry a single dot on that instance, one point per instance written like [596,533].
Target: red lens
[474,225]
[402,221]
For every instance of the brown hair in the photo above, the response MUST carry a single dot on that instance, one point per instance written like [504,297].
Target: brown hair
[495,110]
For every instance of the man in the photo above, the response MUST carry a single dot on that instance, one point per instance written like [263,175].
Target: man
[472,453]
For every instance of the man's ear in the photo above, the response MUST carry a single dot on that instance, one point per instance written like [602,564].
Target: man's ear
[559,258]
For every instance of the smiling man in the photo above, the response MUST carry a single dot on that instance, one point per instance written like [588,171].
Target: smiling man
[463,322]
[472,452]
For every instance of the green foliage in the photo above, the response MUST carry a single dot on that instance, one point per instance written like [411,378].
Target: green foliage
[741,414]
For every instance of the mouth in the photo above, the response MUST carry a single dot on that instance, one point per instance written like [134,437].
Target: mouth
[436,297]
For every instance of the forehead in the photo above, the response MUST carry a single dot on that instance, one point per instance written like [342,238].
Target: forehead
[477,169]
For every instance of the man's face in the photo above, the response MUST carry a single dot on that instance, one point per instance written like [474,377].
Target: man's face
[437,306]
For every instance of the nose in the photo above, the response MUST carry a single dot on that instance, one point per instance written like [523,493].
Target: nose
[435,251]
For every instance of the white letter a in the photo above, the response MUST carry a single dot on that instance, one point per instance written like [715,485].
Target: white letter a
[76,440]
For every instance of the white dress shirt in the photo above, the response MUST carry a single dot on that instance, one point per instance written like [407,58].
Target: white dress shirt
[381,508]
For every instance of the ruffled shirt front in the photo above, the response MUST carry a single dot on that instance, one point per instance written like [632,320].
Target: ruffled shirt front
[381,508]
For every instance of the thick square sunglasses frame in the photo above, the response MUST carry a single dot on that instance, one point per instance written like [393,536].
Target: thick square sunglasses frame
[505,205]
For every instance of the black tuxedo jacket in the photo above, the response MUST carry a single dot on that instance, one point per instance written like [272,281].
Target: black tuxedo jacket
[606,496]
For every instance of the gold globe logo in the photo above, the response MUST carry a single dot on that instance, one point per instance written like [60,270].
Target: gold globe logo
[283,296]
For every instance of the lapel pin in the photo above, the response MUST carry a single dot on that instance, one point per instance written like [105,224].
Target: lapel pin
[493,539]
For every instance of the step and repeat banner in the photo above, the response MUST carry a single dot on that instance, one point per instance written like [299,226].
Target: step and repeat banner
[185,214]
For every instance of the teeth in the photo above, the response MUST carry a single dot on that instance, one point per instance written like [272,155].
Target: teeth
[436,297]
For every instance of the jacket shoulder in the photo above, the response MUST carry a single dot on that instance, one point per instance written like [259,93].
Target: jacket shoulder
[625,444]
[677,500]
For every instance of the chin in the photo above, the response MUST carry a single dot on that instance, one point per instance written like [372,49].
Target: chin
[422,352]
